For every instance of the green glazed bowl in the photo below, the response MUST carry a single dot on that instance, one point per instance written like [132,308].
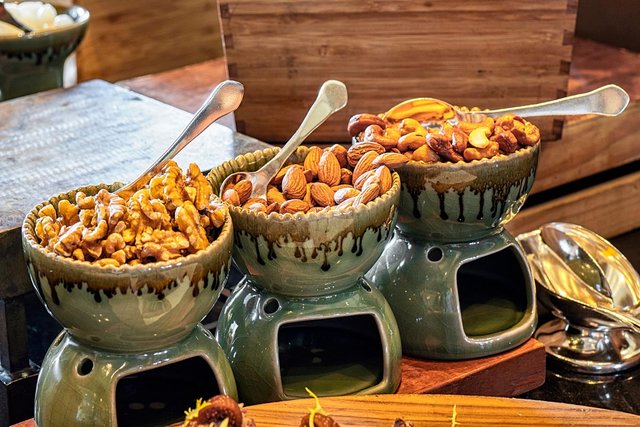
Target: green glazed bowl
[307,254]
[127,308]
[34,62]
[457,202]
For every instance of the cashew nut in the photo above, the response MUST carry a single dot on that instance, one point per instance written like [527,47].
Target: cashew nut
[479,137]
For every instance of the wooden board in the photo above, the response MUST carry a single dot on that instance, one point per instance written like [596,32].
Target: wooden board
[506,374]
[440,410]
[609,209]
[131,38]
[480,53]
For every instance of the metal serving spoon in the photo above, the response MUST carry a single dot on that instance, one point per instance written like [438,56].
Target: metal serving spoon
[552,257]
[224,99]
[609,100]
[332,97]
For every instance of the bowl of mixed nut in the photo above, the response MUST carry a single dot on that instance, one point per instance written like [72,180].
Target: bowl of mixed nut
[131,274]
[324,223]
[462,180]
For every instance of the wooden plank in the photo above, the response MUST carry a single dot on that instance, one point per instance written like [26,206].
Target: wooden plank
[609,209]
[131,38]
[390,51]
[592,144]
[439,411]
[171,87]
[507,374]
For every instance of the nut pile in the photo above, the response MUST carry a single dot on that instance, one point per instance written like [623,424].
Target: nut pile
[444,141]
[174,215]
[331,178]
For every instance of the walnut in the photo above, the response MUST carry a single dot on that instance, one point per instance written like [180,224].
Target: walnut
[174,216]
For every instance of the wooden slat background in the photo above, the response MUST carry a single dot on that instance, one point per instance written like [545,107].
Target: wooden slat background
[478,53]
[130,38]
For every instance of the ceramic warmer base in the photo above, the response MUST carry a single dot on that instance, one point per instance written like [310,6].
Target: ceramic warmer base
[79,386]
[460,300]
[345,343]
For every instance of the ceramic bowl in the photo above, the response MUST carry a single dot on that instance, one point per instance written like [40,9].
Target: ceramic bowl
[35,62]
[127,308]
[458,202]
[307,254]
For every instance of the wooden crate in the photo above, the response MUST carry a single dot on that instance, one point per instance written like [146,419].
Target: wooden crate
[468,52]
[130,38]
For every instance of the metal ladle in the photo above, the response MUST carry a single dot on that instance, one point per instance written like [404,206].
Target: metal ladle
[332,97]
[594,292]
[224,99]
[609,100]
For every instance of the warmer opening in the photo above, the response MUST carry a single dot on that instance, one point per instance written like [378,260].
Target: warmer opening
[492,292]
[330,356]
[160,396]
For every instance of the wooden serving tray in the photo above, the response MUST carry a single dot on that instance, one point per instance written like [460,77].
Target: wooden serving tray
[440,410]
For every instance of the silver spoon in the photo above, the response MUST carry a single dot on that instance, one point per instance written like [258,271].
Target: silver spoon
[571,295]
[609,100]
[224,99]
[576,258]
[332,97]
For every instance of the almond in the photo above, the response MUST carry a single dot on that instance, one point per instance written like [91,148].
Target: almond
[255,206]
[390,160]
[322,194]
[243,188]
[344,194]
[341,186]
[274,195]
[307,195]
[277,180]
[367,194]
[384,177]
[273,207]
[308,175]
[365,164]
[358,150]
[311,162]
[358,184]
[294,205]
[341,154]
[253,201]
[346,176]
[329,169]
[316,209]
[294,183]
[345,204]
[231,196]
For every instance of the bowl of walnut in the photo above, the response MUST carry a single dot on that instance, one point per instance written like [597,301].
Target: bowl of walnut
[325,222]
[130,274]
[463,181]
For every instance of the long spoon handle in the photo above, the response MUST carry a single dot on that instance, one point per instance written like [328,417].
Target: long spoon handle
[609,100]
[224,99]
[332,97]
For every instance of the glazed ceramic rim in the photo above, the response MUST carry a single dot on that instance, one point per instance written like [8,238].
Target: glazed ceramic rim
[28,234]
[82,21]
[304,216]
[499,158]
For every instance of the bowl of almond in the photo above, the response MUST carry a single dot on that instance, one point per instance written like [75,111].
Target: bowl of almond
[462,180]
[325,221]
[130,274]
